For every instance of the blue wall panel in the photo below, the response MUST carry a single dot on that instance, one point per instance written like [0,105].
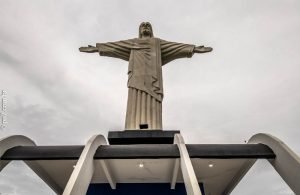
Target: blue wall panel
[138,189]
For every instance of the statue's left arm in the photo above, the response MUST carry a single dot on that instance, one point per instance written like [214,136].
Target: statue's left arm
[172,50]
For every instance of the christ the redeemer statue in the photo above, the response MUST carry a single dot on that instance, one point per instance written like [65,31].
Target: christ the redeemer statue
[146,56]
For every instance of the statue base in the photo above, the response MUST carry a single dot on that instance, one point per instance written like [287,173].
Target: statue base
[128,137]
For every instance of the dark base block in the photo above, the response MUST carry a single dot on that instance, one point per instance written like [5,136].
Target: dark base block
[141,137]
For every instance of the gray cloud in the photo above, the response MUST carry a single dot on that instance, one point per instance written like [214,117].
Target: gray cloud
[28,183]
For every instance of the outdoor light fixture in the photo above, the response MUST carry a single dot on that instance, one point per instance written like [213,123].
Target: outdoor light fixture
[210,165]
[141,165]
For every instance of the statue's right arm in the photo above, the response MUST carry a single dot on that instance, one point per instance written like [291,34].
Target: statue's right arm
[117,49]
[89,49]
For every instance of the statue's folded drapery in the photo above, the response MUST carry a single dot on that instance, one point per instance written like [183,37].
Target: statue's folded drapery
[146,57]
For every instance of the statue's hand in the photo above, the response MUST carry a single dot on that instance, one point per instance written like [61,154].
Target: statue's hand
[89,49]
[202,49]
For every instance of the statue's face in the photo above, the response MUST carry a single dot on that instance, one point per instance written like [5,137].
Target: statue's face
[146,29]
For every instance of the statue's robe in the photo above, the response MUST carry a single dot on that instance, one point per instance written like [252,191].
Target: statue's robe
[145,86]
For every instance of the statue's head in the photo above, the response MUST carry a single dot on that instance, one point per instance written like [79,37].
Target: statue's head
[145,30]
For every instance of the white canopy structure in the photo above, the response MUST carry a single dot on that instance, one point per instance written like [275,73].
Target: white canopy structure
[210,169]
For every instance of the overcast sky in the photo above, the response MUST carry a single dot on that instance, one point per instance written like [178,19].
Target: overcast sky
[248,84]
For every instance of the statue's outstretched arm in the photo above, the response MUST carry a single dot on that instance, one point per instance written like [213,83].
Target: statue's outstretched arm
[202,49]
[89,49]
[172,50]
[117,49]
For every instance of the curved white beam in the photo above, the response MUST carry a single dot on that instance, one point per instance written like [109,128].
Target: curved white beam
[286,163]
[189,176]
[10,142]
[20,140]
[82,174]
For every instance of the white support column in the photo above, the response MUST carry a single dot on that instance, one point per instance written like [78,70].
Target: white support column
[286,163]
[10,142]
[175,173]
[82,174]
[108,175]
[20,140]
[189,176]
